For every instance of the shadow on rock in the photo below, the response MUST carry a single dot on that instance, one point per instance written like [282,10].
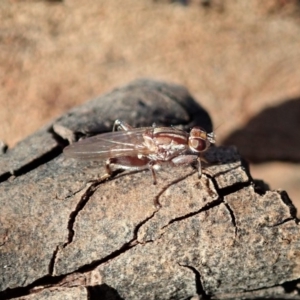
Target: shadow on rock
[103,292]
[271,135]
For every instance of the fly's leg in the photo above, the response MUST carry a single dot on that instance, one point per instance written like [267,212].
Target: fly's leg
[131,163]
[151,167]
[135,164]
[108,164]
[120,125]
[199,167]
[188,159]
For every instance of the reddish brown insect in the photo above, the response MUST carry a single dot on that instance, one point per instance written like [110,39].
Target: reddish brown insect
[129,148]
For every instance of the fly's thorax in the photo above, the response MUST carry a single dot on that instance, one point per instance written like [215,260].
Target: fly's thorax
[165,143]
[169,136]
[199,139]
[149,141]
[165,136]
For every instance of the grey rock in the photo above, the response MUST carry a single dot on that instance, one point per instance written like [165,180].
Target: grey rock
[66,234]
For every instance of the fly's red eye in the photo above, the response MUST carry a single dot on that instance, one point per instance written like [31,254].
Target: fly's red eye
[197,144]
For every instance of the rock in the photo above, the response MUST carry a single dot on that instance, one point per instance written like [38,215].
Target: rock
[66,234]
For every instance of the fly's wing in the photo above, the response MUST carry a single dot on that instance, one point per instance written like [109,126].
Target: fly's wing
[111,144]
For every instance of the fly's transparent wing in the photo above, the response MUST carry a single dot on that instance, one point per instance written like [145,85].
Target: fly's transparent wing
[111,144]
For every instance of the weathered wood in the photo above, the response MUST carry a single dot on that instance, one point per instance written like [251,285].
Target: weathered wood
[63,234]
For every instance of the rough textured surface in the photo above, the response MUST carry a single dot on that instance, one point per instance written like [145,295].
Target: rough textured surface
[79,293]
[64,234]
[239,58]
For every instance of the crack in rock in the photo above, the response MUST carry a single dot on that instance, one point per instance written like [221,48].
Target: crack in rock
[5,176]
[50,281]
[53,260]
[80,206]
[139,225]
[287,201]
[62,134]
[222,192]
[163,190]
[199,286]
[191,214]
[282,222]
[233,220]
[91,266]
[39,161]
[292,286]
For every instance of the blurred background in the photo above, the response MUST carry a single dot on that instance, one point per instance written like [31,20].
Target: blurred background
[239,59]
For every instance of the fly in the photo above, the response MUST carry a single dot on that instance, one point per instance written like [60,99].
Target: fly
[128,148]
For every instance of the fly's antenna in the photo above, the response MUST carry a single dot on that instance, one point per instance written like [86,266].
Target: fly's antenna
[211,137]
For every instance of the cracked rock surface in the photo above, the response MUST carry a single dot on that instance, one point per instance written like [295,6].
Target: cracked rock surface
[66,235]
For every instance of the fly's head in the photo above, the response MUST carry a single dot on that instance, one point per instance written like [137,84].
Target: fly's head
[200,140]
